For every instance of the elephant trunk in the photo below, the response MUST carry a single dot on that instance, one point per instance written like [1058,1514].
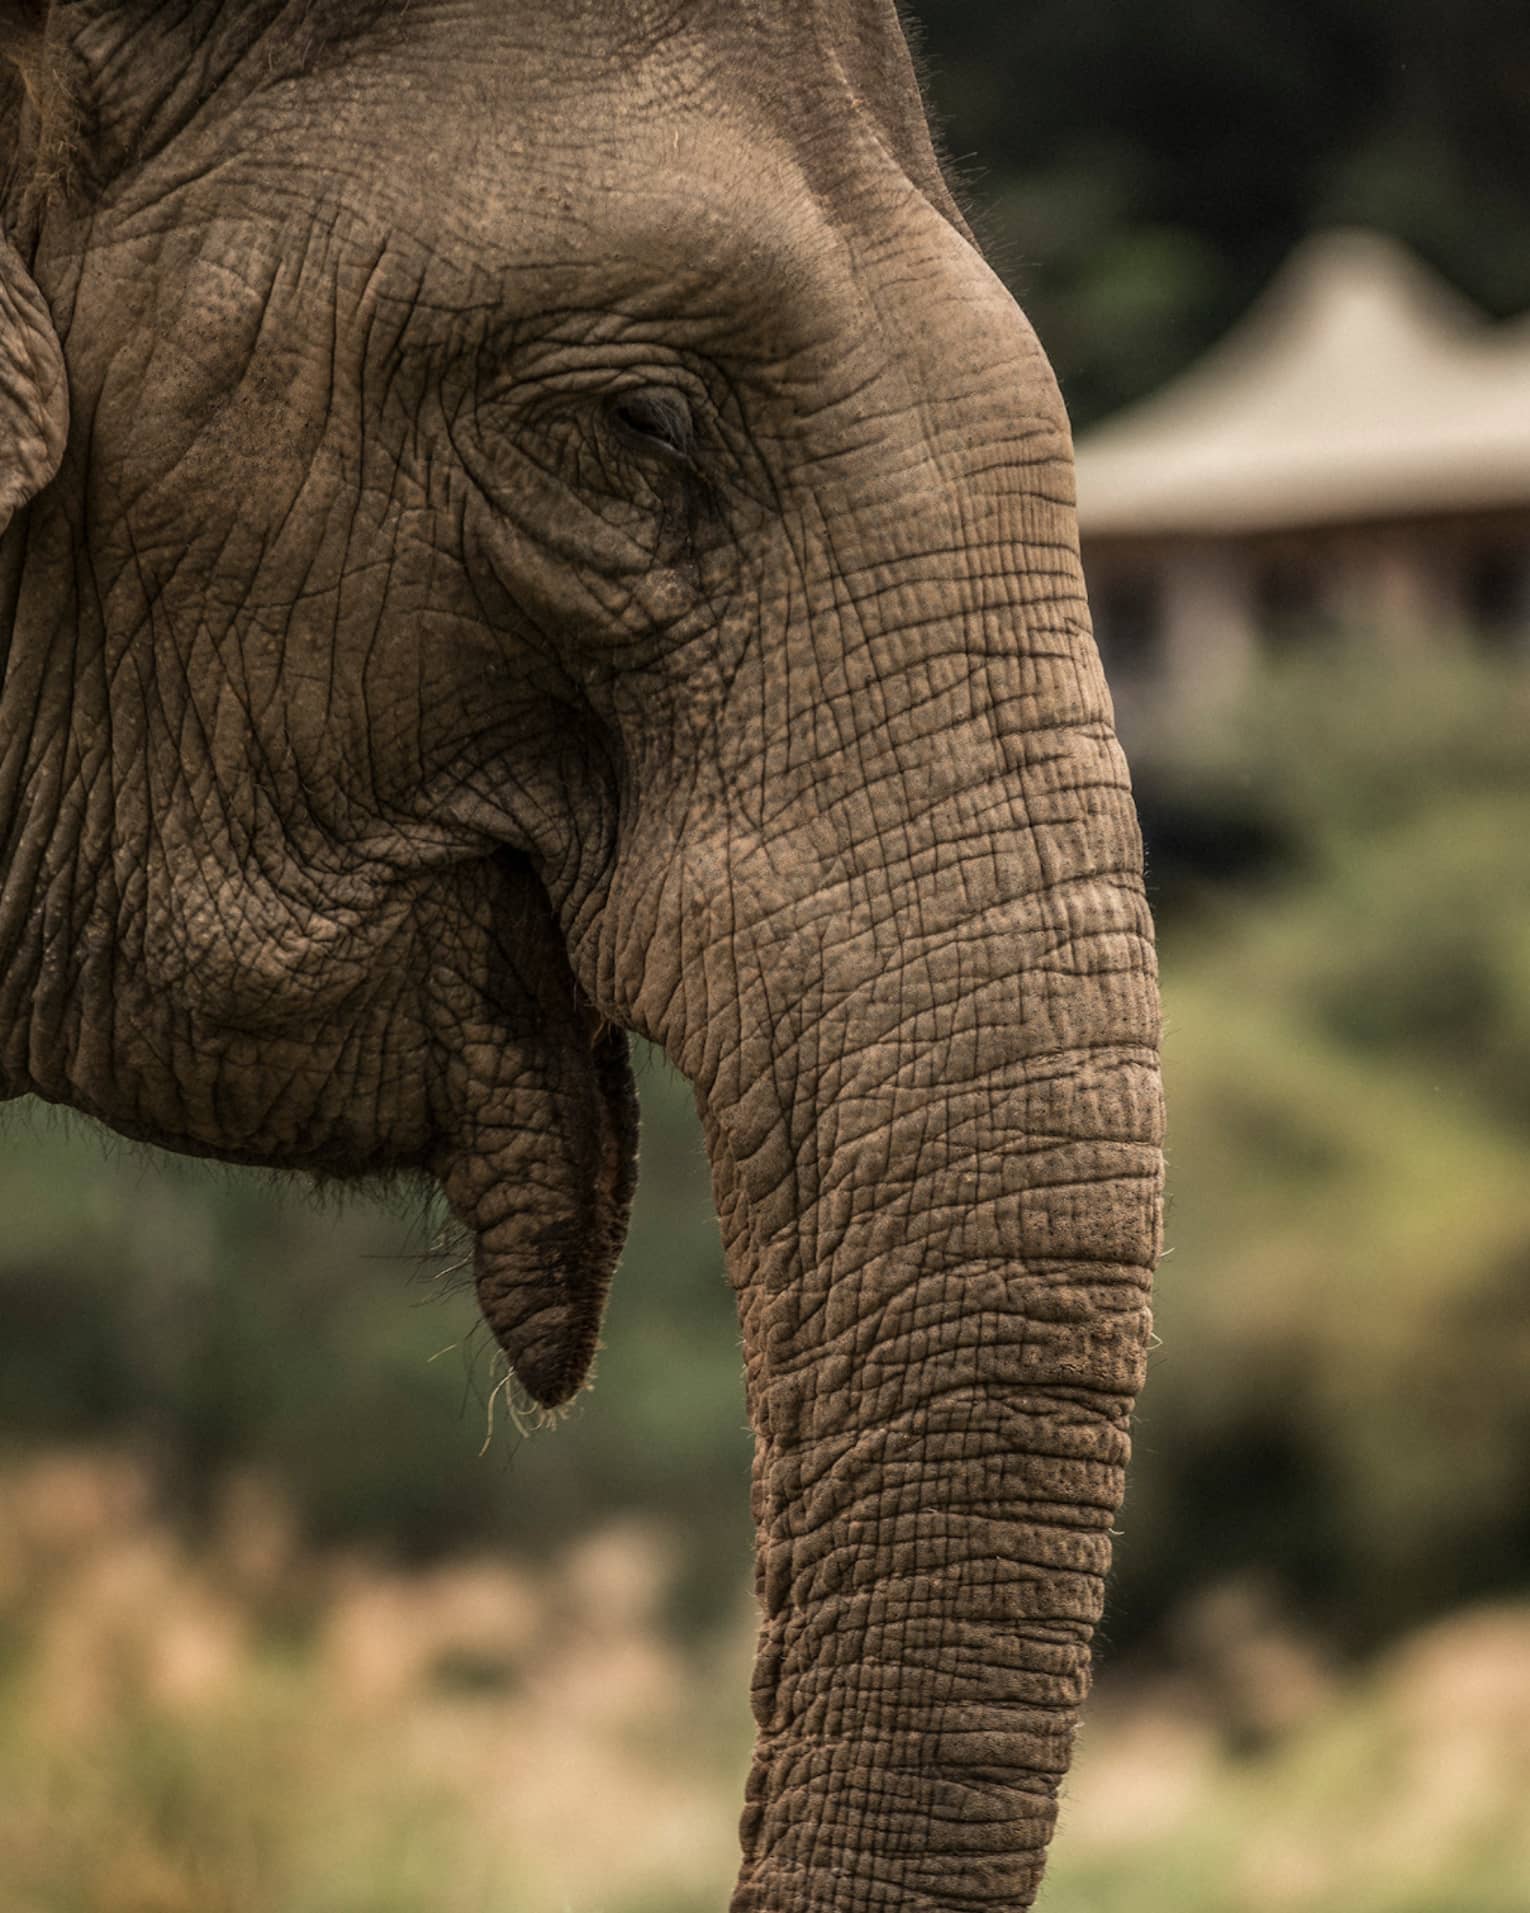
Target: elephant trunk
[938,1173]
[885,911]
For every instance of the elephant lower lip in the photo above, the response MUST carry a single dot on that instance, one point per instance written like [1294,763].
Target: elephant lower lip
[542,1288]
[539,1154]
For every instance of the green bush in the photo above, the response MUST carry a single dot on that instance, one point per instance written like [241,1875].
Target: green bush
[1343,1393]
[225,1321]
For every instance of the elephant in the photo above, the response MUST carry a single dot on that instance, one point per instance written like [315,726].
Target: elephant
[528,525]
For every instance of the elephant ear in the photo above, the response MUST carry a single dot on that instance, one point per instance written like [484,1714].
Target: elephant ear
[34,391]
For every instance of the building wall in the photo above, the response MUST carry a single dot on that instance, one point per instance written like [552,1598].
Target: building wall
[1186,618]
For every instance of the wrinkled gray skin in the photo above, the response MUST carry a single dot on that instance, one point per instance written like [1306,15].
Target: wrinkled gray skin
[559,532]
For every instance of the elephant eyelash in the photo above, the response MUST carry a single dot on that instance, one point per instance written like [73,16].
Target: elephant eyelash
[658,424]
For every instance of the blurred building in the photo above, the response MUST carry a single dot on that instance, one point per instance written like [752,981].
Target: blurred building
[1355,455]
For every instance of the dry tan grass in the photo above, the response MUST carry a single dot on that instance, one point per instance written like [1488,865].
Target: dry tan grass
[253,1727]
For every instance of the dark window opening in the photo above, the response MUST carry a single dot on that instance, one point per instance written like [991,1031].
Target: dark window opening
[1289,602]
[1128,623]
[1497,592]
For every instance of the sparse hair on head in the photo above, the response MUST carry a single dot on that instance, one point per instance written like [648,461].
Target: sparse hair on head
[47,121]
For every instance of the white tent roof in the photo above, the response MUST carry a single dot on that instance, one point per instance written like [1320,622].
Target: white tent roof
[1359,386]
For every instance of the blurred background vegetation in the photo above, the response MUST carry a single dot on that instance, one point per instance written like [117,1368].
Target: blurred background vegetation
[297,1617]
[1139,172]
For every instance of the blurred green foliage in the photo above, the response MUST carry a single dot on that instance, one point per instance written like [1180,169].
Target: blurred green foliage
[1342,1396]
[1139,172]
[219,1320]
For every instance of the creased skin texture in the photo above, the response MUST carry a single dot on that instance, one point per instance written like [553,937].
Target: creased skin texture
[608,565]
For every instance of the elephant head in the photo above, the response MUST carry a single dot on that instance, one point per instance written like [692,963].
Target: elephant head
[532,523]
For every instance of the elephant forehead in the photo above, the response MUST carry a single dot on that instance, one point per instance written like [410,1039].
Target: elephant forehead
[495,238]
[678,141]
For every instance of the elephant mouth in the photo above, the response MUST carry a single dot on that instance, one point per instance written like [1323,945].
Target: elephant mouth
[541,1159]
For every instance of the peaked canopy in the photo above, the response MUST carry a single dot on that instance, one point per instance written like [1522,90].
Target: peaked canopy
[1359,387]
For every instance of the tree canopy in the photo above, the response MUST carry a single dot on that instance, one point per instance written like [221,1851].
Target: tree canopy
[1139,173]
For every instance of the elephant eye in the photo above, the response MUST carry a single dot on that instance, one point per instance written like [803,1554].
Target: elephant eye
[655,422]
